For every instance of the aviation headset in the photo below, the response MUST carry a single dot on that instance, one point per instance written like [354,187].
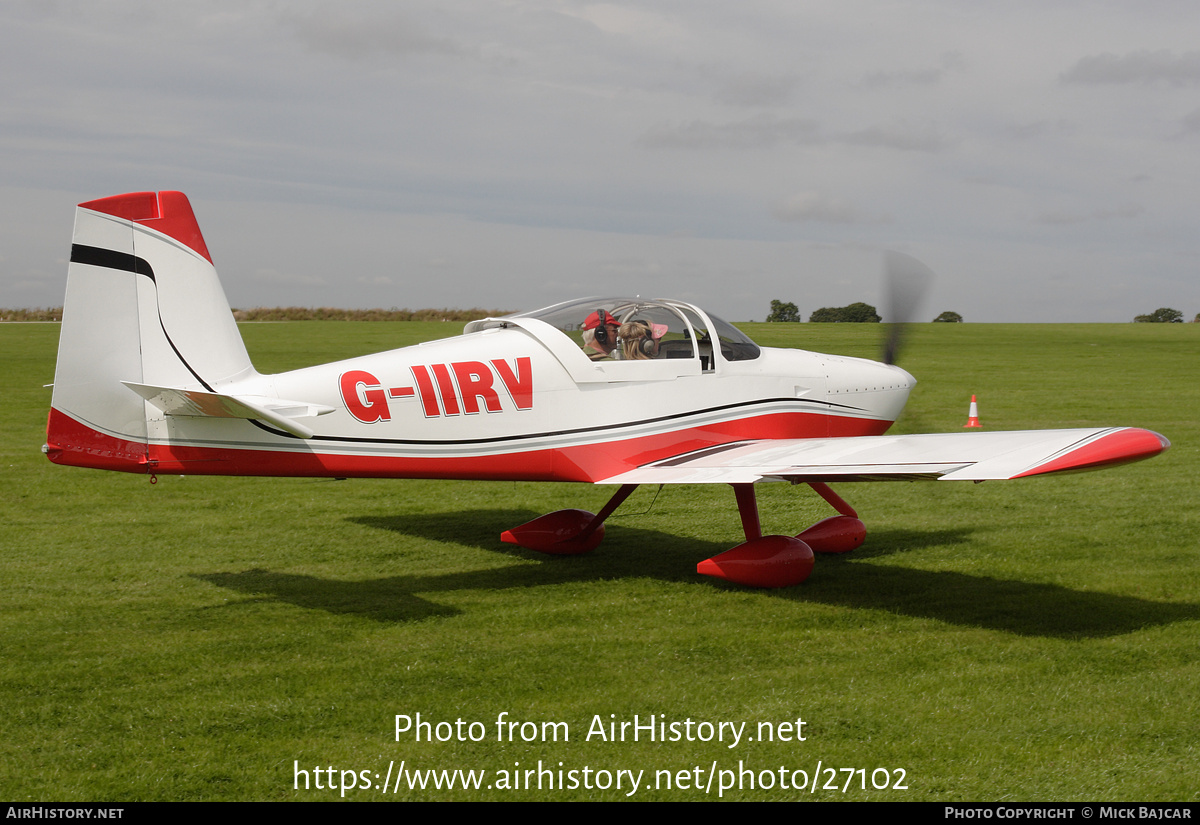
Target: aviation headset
[648,344]
[601,333]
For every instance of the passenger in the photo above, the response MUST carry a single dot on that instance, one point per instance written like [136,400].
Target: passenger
[600,335]
[639,340]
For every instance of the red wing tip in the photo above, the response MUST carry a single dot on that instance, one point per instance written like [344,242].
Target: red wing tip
[1121,446]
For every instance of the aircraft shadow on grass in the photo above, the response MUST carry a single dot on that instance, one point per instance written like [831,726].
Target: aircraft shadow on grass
[1020,607]
[392,599]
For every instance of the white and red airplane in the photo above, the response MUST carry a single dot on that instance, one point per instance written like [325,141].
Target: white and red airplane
[153,377]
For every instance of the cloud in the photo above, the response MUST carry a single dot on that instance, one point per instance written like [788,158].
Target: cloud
[757,132]
[817,207]
[906,141]
[1191,124]
[1036,129]
[763,131]
[639,267]
[1061,218]
[613,18]
[286,279]
[339,34]
[950,62]
[757,90]
[504,149]
[1137,67]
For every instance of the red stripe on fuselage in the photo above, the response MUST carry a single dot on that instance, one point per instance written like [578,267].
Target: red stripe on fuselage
[76,444]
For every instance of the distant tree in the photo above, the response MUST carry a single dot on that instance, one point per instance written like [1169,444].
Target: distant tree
[856,313]
[783,313]
[1196,320]
[948,317]
[860,313]
[1162,315]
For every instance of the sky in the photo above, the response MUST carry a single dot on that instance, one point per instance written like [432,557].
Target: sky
[1041,158]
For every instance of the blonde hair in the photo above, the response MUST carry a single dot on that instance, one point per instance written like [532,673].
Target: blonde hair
[631,335]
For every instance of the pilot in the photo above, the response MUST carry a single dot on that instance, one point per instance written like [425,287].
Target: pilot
[639,340]
[600,335]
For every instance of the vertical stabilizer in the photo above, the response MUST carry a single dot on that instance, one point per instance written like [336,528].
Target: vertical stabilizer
[143,305]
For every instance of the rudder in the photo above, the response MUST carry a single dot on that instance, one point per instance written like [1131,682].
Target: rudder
[143,305]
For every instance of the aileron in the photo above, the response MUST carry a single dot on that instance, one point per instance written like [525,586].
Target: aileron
[971,456]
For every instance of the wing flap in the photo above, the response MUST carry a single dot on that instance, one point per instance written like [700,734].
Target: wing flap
[967,456]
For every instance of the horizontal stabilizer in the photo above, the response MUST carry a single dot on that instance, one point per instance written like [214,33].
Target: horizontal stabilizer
[199,403]
[969,456]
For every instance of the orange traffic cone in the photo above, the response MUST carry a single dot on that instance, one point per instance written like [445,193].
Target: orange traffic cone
[973,416]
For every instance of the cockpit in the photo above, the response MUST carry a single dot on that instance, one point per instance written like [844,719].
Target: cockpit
[636,329]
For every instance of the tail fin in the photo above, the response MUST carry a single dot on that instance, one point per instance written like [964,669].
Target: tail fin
[143,306]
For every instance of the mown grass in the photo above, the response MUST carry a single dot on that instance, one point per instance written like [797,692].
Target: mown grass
[1032,640]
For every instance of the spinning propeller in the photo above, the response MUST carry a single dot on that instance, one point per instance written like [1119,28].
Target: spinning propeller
[905,282]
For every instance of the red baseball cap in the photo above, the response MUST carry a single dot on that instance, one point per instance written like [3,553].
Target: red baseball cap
[593,320]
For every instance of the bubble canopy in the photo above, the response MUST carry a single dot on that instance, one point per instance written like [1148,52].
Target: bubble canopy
[682,330]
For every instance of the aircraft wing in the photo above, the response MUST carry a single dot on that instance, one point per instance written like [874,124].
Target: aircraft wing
[965,456]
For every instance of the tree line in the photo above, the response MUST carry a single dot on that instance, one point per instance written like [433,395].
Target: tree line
[856,313]
[860,313]
[1163,315]
[303,314]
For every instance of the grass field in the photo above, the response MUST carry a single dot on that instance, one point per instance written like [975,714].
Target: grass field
[1010,641]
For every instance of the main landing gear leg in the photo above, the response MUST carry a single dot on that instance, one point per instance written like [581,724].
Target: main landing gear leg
[747,503]
[836,534]
[761,561]
[566,532]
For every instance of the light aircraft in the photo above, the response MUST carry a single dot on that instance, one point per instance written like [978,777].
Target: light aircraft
[153,377]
